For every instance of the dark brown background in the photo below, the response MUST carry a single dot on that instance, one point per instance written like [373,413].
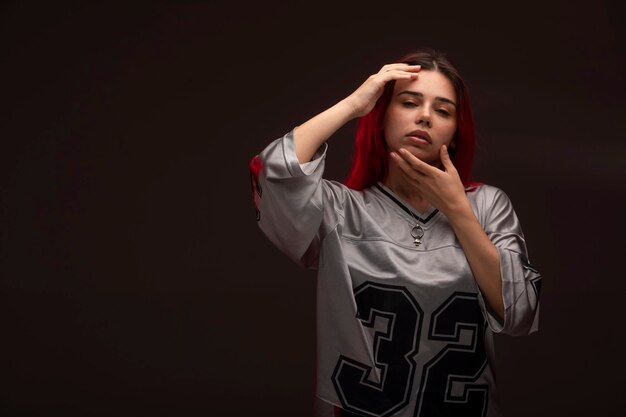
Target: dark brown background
[134,278]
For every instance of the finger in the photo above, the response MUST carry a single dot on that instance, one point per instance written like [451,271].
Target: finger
[396,74]
[401,65]
[417,164]
[406,167]
[407,69]
[445,159]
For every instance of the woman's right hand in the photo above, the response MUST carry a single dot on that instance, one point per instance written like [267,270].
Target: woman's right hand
[309,136]
[364,98]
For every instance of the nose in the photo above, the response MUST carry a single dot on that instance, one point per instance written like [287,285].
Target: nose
[423,117]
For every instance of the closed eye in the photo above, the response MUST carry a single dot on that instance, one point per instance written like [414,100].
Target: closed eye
[409,104]
[443,112]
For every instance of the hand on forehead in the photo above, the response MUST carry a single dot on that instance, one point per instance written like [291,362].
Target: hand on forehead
[430,84]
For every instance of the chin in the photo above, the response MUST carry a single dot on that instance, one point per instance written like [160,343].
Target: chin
[419,154]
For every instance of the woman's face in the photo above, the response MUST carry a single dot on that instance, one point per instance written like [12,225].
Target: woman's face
[421,116]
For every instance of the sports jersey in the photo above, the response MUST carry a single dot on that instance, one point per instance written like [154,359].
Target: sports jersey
[402,327]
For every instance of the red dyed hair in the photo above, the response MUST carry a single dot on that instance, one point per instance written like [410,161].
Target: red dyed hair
[369,163]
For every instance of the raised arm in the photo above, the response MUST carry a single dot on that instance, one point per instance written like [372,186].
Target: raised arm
[309,136]
[294,204]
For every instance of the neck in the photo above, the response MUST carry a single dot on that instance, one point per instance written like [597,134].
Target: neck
[395,181]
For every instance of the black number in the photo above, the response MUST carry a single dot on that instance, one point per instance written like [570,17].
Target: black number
[448,380]
[394,348]
[448,385]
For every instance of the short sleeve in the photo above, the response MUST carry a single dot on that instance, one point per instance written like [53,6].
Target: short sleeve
[521,283]
[295,205]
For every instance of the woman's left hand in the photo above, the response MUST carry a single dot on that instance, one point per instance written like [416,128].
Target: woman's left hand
[441,188]
[445,191]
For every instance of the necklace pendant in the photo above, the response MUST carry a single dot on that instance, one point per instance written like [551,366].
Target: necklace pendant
[417,233]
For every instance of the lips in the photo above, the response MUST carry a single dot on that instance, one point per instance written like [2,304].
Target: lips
[421,134]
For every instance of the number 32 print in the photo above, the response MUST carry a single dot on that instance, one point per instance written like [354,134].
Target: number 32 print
[395,348]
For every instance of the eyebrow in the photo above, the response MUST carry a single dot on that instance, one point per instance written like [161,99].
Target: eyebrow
[420,95]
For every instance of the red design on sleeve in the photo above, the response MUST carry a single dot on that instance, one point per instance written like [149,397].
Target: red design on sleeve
[256,166]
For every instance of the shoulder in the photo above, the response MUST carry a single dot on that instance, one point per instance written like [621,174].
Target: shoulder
[484,193]
[488,201]
[342,192]
[353,203]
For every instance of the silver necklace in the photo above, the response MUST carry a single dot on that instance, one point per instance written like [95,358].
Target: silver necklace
[417,232]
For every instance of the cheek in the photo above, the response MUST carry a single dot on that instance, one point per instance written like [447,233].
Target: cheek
[450,129]
[394,119]
[389,122]
[391,132]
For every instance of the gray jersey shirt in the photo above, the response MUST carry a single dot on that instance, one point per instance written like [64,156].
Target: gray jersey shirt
[402,330]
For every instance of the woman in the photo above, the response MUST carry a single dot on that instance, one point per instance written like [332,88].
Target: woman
[417,266]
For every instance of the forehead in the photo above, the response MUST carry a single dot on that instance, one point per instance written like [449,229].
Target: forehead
[429,83]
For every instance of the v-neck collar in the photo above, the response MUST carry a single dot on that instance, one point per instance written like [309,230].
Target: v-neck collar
[423,218]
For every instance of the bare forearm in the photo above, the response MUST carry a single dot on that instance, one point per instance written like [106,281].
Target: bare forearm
[309,136]
[481,254]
